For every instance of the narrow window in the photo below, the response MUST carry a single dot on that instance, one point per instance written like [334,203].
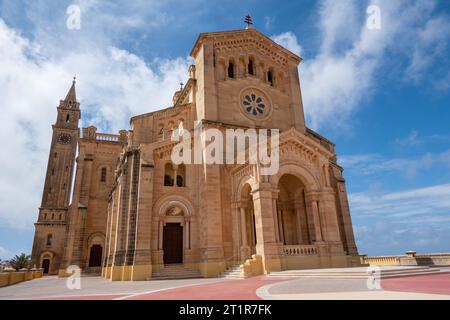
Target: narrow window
[49,239]
[180,182]
[168,181]
[230,70]
[270,77]
[181,174]
[68,118]
[56,154]
[103,175]
[250,67]
[168,175]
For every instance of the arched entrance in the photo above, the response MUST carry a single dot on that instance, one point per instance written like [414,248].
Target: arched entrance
[46,265]
[96,243]
[293,221]
[174,232]
[95,256]
[173,243]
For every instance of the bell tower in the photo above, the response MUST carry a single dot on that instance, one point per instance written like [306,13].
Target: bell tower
[50,228]
[61,160]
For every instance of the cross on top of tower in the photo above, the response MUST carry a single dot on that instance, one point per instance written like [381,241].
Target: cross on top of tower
[248,20]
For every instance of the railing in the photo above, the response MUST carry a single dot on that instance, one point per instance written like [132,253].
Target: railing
[107,137]
[409,258]
[296,250]
[382,260]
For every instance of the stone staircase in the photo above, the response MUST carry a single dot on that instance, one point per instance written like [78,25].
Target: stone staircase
[92,272]
[233,272]
[175,271]
[355,273]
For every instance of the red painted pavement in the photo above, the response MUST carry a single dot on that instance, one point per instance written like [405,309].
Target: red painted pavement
[437,284]
[244,289]
[88,297]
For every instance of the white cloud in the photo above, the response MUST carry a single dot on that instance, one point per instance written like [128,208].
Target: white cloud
[338,79]
[113,84]
[391,223]
[432,44]
[415,139]
[368,164]
[289,41]
[421,203]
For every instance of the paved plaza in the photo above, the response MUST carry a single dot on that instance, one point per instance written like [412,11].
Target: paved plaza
[423,287]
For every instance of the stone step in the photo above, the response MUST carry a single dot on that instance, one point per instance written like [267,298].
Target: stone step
[176,271]
[414,271]
[233,272]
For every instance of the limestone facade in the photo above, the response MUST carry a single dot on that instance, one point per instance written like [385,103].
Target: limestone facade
[149,212]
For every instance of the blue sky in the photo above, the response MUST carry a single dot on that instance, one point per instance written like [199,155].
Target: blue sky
[383,96]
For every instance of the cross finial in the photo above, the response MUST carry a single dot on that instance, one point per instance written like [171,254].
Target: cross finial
[74,79]
[248,20]
[181,85]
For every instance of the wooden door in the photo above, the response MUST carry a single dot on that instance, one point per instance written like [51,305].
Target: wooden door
[173,243]
[95,257]
[46,265]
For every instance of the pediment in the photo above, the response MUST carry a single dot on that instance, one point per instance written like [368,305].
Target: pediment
[247,40]
[295,141]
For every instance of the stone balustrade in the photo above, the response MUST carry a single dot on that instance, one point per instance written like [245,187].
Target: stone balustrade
[381,260]
[107,137]
[410,258]
[296,250]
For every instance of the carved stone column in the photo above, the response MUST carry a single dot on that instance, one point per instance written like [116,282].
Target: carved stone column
[275,219]
[267,245]
[160,234]
[245,250]
[187,226]
[317,226]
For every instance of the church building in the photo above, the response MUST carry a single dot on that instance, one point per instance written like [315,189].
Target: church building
[117,205]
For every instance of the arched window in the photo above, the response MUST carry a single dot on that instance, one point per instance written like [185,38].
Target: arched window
[168,175]
[270,77]
[251,67]
[230,70]
[181,176]
[55,154]
[103,175]
[49,239]
[68,118]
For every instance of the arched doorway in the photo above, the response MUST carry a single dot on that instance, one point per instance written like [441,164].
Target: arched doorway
[95,256]
[175,233]
[173,243]
[293,221]
[46,265]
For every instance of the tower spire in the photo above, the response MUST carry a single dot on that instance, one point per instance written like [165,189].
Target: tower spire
[71,98]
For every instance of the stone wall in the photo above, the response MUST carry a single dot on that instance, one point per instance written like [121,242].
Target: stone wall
[13,277]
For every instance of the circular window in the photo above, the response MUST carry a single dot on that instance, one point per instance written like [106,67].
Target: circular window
[255,103]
